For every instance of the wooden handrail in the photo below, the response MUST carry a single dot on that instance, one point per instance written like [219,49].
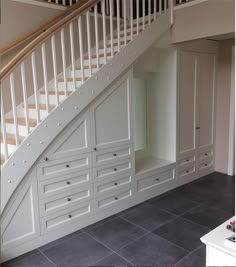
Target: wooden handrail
[37,31]
[73,12]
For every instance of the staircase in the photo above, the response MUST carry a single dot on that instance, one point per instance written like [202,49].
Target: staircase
[64,69]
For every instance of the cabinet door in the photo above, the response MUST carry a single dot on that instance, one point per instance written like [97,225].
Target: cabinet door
[205,99]
[111,116]
[186,102]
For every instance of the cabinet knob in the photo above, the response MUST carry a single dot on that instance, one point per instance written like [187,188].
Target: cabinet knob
[115,169]
[115,184]
[68,183]
[67,166]
[157,179]
[198,128]
[206,164]
[114,154]
[68,199]
[187,160]
[116,198]
[206,154]
[187,171]
[70,216]
[95,149]
[46,158]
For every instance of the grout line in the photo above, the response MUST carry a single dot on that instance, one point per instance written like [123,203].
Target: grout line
[48,258]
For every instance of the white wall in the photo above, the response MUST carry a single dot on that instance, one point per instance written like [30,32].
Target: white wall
[223,88]
[209,18]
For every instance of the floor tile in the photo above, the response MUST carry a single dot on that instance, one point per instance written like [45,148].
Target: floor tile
[152,250]
[183,233]
[200,251]
[191,260]
[117,233]
[207,216]
[81,250]
[174,204]
[148,217]
[99,223]
[36,260]
[59,241]
[113,260]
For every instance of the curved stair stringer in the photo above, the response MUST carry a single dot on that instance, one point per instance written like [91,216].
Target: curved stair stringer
[19,164]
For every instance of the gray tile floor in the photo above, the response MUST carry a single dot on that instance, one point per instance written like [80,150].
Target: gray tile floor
[163,231]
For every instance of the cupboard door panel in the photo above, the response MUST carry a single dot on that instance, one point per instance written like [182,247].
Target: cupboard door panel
[205,90]
[186,102]
[111,117]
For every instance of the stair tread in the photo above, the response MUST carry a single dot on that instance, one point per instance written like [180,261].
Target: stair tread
[70,79]
[41,106]
[11,139]
[54,93]
[21,121]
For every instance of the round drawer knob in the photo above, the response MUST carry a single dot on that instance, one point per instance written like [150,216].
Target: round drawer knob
[115,184]
[157,179]
[68,199]
[187,171]
[187,160]
[68,183]
[206,164]
[70,216]
[206,154]
[95,149]
[115,155]
[116,198]
[46,158]
[67,166]
[115,169]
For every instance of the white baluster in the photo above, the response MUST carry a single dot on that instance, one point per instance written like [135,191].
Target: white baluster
[14,111]
[63,53]
[118,23]
[26,111]
[143,14]
[64,2]
[111,28]
[81,48]
[89,42]
[71,3]
[104,31]
[72,52]
[160,7]
[165,5]
[96,33]
[3,126]
[131,19]
[35,87]
[57,2]
[45,76]
[149,12]
[137,15]
[54,60]
[125,20]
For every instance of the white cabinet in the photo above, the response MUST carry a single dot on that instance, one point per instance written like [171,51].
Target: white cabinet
[110,116]
[196,74]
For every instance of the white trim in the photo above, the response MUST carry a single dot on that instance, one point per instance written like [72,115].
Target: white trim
[231,149]
[188,4]
[42,4]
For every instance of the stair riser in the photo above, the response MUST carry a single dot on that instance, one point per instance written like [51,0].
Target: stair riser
[78,73]
[11,149]
[22,129]
[33,114]
[52,99]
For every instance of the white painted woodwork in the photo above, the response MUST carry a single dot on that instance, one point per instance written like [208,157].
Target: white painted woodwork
[111,116]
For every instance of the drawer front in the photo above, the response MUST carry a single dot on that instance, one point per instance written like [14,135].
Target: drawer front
[63,166]
[111,155]
[154,180]
[186,160]
[63,201]
[112,184]
[207,163]
[190,169]
[113,199]
[205,154]
[66,217]
[64,183]
[112,169]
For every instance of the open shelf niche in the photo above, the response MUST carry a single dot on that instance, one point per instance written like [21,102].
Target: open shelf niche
[154,105]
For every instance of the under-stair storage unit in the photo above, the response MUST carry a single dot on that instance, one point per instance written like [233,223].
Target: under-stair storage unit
[195,134]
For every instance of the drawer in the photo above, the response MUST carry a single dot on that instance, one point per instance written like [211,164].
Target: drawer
[186,159]
[112,169]
[205,164]
[113,199]
[64,183]
[111,155]
[66,217]
[63,166]
[63,201]
[190,169]
[112,184]
[205,154]
[154,180]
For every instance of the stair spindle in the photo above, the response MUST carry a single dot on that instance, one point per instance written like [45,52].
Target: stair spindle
[81,48]
[155,9]
[111,28]
[63,53]
[3,126]
[131,19]
[104,31]
[149,12]
[160,7]
[96,33]
[118,23]
[143,15]
[45,76]
[72,52]
[89,43]
[125,20]
[54,60]
[26,111]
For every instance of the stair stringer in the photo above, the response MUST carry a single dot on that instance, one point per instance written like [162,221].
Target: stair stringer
[18,165]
